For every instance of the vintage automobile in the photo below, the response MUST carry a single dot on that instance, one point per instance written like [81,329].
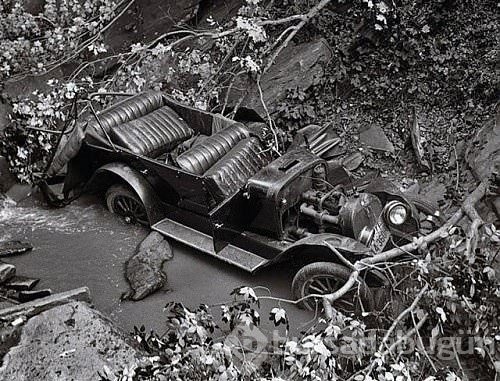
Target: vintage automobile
[210,183]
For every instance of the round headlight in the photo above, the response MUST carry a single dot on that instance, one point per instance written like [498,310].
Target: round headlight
[397,214]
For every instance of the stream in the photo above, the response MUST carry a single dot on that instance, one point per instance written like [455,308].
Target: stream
[83,244]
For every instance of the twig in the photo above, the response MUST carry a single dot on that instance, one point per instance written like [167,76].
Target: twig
[402,315]
[457,183]
[471,239]
[368,369]
[421,342]
[92,39]
[303,21]
[270,121]
[458,358]
[408,334]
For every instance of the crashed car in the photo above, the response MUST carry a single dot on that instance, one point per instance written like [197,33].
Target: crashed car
[212,184]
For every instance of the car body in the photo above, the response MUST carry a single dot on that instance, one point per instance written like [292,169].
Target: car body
[212,184]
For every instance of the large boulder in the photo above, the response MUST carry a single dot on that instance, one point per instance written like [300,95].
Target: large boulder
[146,20]
[67,342]
[297,66]
[144,271]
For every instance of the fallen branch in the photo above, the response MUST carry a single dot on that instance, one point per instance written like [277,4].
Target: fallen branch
[401,316]
[368,369]
[388,255]
[442,232]
[408,334]
[304,20]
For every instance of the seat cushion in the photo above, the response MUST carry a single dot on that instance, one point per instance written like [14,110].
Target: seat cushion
[152,134]
[202,156]
[231,172]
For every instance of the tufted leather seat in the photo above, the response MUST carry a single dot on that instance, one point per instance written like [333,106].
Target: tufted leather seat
[152,134]
[202,156]
[231,172]
[125,111]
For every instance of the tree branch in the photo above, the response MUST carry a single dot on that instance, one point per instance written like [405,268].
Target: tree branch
[442,232]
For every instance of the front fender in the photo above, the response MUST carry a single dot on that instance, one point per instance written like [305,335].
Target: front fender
[143,189]
[318,247]
[323,247]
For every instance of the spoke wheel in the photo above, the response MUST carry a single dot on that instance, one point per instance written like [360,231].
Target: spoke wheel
[325,278]
[126,204]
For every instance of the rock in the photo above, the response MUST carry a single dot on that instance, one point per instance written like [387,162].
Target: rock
[144,271]
[298,66]
[9,248]
[143,22]
[7,271]
[29,309]
[21,283]
[374,137]
[7,179]
[68,342]
[34,7]
[483,152]
[29,295]
[433,192]
[352,161]
[19,192]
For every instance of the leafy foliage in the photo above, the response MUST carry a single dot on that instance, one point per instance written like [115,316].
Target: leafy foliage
[33,43]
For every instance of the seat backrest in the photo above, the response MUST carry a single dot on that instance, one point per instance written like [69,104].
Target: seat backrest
[232,172]
[201,157]
[152,134]
[124,111]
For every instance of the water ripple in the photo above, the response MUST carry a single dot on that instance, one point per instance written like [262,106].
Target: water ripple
[71,219]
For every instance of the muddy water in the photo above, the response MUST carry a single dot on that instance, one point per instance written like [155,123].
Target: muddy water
[84,245]
[79,245]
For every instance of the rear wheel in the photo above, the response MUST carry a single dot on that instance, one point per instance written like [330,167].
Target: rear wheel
[125,203]
[325,278]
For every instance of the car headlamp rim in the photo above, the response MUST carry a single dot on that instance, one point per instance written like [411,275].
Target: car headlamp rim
[397,213]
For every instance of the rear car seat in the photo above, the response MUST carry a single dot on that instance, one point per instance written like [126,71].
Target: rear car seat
[231,172]
[152,134]
[201,157]
[125,111]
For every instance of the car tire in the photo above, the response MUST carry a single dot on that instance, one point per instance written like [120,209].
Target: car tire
[125,203]
[331,276]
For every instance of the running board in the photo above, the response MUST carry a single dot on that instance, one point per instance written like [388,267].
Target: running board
[230,254]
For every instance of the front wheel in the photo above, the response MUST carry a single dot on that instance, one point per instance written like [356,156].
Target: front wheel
[124,202]
[325,278]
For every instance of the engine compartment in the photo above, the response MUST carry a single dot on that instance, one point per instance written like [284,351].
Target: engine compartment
[294,199]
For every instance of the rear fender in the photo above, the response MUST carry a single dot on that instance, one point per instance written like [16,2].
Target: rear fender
[112,173]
